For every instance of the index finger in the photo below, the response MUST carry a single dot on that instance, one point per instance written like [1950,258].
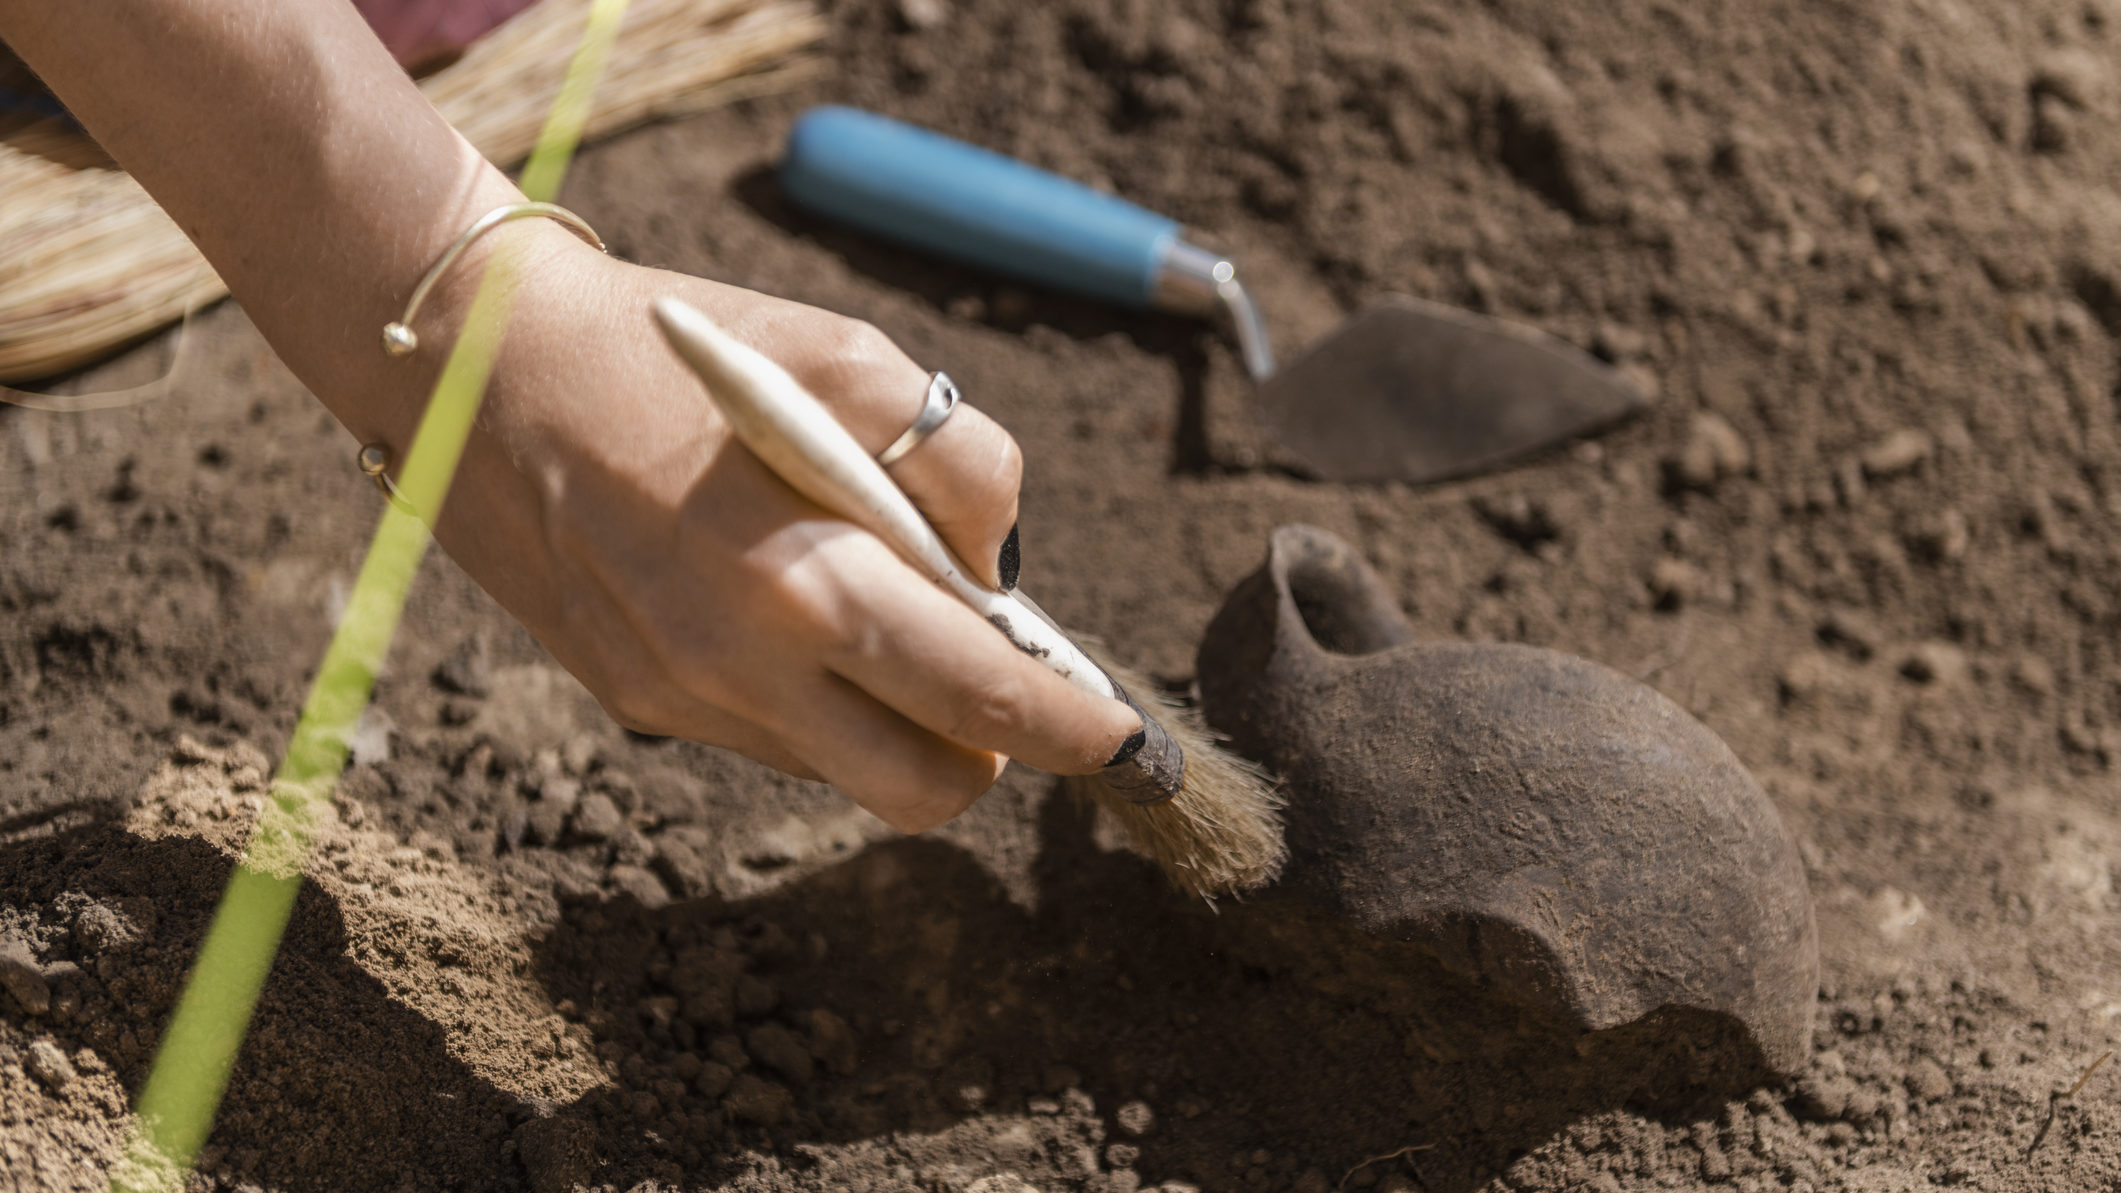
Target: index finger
[916,649]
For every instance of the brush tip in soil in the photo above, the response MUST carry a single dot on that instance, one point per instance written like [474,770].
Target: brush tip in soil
[1221,834]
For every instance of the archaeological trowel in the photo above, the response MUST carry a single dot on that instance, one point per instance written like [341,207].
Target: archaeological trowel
[1403,390]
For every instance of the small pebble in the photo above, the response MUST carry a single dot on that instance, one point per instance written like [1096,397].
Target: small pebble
[2073,77]
[729,1050]
[1713,450]
[1934,663]
[1823,1097]
[1675,583]
[596,818]
[468,670]
[2054,124]
[754,997]
[757,1100]
[369,743]
[23,979]
[1900,452]
[641,883]
[1617,342]
[923,15]
[49,1065]
[833,1042]
[629,847]
[659,1011]
[558,1154]
[781,1050]
[1122,1155]
[544,822]
[1928,1081]
[1861,1107]
[1942,537]
[99,928]
[561,792]
[682,866]
[1849,632]
[1135,1119]
[2033,676]
[578,753]
[714,1079]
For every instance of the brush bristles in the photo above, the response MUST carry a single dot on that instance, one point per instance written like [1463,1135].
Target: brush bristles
[1221,834]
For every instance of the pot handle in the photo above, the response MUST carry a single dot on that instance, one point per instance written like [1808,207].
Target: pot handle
[1314,602]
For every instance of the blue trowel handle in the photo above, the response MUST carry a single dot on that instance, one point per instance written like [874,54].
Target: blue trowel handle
[955,200]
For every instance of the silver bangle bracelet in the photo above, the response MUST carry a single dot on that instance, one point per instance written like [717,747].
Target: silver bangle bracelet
[399,339]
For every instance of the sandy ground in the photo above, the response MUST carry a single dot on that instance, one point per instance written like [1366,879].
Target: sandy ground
[1865,253]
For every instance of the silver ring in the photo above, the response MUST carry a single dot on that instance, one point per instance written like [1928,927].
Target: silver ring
[941,400]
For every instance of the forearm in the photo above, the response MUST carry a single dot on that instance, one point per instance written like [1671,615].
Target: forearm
[287,143]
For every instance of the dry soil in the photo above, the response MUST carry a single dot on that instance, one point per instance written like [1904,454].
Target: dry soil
[1865,252]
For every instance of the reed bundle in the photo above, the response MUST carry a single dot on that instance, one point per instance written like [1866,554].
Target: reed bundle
[89,263]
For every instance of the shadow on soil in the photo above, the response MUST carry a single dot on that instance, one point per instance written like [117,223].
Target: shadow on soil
[1249,1031]
[335,1076]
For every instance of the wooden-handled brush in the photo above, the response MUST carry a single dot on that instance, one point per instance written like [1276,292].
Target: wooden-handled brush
[1211,820]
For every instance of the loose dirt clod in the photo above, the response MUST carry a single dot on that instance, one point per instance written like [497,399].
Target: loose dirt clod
[49,1065]
[21,977]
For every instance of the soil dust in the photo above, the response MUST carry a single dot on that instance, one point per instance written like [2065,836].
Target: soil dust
[1865,253]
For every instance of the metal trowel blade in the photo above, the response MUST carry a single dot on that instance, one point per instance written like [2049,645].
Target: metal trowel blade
[1417,391]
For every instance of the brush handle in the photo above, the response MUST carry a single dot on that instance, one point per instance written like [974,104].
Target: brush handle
[800,440]
[924,189]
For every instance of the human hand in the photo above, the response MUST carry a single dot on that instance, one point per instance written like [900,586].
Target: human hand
[604,503]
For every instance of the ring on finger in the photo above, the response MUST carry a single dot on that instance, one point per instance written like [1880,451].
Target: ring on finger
[942,398]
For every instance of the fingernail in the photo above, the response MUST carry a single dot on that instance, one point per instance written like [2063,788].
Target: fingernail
[1011,562]
[1149,767]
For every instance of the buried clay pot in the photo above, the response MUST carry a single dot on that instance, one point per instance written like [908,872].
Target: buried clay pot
[1546,828]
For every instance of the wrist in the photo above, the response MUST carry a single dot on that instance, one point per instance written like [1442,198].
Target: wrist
[380,395]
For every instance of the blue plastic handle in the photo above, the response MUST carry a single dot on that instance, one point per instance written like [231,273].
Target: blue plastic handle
[926,190]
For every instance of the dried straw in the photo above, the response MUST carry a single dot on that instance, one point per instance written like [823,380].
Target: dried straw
[88,262]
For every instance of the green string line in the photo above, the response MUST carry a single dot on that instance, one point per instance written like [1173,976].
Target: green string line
[190,1073]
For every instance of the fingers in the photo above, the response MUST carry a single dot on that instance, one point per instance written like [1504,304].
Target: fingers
[748,675]
[916,649]
[640,694]
[964,478]
[906,776]
[694,721]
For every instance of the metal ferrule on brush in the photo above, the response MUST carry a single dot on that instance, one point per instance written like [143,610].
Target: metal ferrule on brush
[1149,767]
